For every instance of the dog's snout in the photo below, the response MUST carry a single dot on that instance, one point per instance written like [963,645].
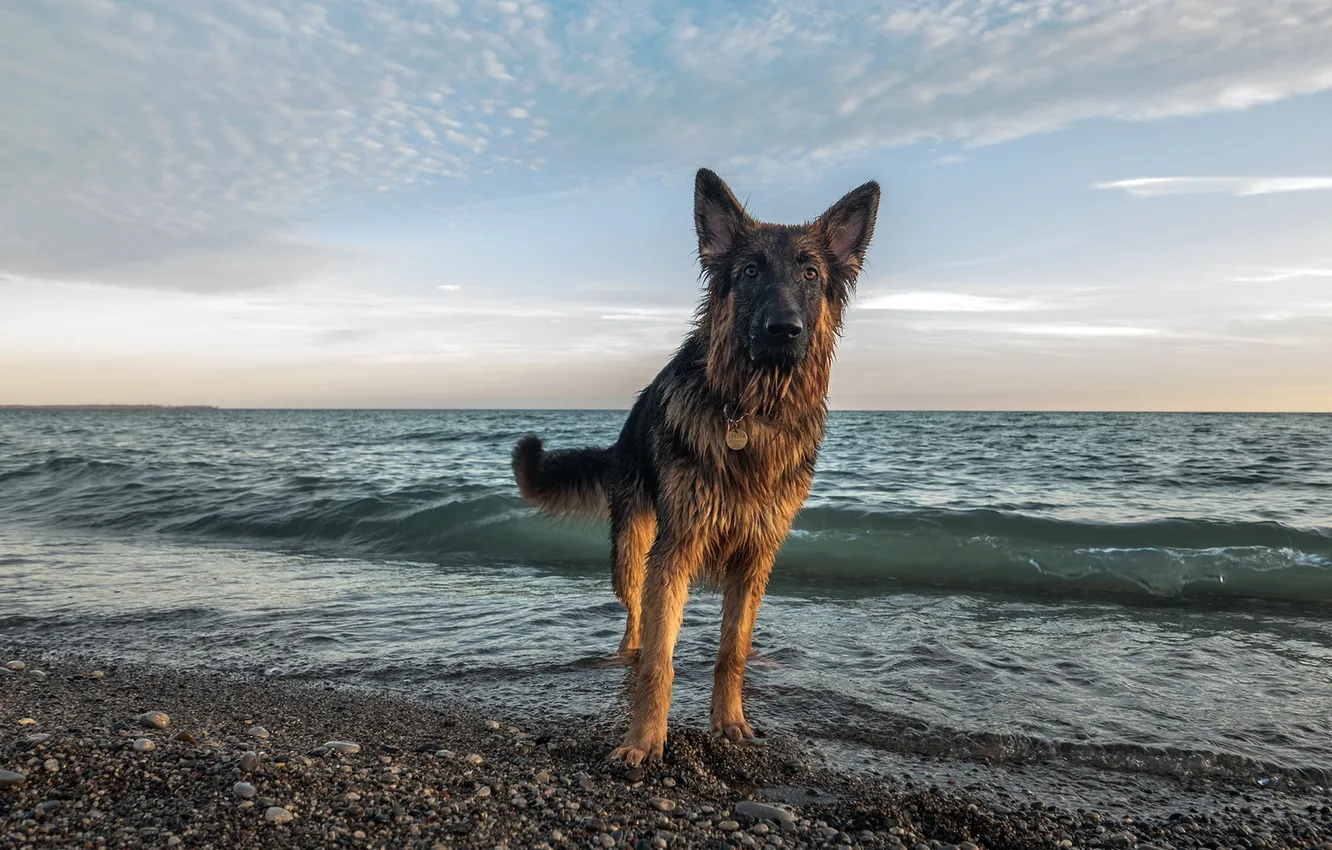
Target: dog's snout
[785,327]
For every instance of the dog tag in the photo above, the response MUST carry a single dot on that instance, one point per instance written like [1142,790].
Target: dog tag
[736,438]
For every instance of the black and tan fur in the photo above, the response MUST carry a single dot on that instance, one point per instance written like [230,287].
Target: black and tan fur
[682,505]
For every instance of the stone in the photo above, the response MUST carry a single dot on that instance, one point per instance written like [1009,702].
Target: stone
[728,826]
[493,725]
[37,738]
[27,721]
[96,674]
[244,790]
[483,791]
[278,815]
[762,811]
[259,733]
[475,759]
[662,804]
[51,765]
[634,774]
[249,761]
[16,666]
[37,674]
[48,806]
[346,748]
[185,738]
[144,745]
[11,779]
[153,720]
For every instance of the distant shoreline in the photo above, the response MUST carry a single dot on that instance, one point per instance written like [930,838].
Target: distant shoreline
[109,407]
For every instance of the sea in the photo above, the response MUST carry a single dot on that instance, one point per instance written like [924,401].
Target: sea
[1141,593]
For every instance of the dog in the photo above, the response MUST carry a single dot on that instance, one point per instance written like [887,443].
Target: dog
[718,452]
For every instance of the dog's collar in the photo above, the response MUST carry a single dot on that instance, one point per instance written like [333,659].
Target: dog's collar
[732,421]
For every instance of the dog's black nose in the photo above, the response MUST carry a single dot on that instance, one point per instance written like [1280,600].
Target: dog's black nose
[784,328]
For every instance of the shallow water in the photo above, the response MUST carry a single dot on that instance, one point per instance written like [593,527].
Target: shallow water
[1145,592]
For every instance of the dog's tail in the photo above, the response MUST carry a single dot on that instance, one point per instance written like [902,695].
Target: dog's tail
[570,482]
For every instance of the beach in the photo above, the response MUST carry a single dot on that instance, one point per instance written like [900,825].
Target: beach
[1013,630]
[243,762]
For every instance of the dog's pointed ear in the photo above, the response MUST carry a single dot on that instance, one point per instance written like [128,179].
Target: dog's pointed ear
[848,227]
[719,218]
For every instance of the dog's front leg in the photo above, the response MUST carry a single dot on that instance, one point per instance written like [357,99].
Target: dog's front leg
[744,582]
[672,562]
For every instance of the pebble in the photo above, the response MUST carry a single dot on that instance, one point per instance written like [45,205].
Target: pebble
[259,732]
[634,774]
[345,747]
[185,738]
[38,738]
[244,790]
[153,720]
[249,761]
[762,811]
[483,791]
[662,804]
[144,745]
[38,674]
[607,840]
[16,666]
[493,725]
[51,765]
[48,806]
[96,674]
[475,759]
[27,721]
[728,826]
[174,841]
[279,815]
[11,779]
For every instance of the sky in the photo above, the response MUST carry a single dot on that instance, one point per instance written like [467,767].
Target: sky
[1087,204]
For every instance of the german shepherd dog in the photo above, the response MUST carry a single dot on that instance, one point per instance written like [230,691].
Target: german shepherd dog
[718,452]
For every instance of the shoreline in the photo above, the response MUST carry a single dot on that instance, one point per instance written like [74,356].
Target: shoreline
[415,781]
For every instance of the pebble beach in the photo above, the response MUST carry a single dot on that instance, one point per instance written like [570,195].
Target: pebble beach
[99,754]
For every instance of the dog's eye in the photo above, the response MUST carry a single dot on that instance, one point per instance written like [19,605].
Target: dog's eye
[750,270]
[811,273]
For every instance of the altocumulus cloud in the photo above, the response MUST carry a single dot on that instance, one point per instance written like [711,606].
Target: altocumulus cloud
[143,139]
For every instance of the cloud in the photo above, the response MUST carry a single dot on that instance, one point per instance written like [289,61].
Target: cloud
[946,302]
[157,126]
[1155,187]
[1281,275]
[1082,330]
[207,263]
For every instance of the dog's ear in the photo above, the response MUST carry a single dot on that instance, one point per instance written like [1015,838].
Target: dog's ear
[848,227]
[719,218]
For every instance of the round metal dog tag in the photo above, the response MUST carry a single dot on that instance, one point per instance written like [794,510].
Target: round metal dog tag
[736,438]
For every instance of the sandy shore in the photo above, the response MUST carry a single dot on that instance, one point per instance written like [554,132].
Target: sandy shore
[264,764]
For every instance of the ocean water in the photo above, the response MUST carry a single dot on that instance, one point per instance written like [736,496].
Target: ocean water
[1134,592]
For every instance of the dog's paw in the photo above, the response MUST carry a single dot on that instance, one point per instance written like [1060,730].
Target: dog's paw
[637,753]
[737,731]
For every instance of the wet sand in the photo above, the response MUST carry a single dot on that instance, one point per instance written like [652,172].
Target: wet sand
[82,765]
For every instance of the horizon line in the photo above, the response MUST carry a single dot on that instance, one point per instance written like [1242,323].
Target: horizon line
[92,407]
